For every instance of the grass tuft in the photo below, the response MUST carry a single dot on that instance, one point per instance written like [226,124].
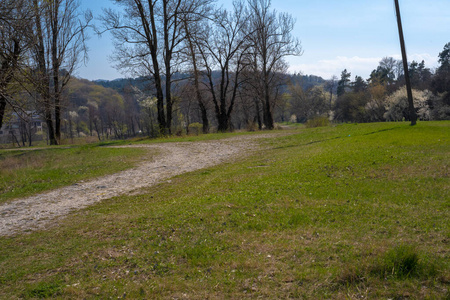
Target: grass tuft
[400,262]
[352,275]
[43,290]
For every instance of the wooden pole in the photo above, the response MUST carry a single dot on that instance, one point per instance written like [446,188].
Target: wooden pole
[412,110]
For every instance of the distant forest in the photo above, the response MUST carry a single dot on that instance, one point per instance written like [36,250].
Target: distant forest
[124,108]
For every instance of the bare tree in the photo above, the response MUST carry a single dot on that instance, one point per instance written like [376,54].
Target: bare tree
[272,40]
[148,37]
[67,36]
[223,49]
[41,79]
[59,39]
[194,30]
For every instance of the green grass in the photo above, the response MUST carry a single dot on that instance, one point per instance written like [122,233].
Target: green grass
[27,172]
[344,212]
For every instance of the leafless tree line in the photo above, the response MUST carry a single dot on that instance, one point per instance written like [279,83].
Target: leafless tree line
[231,55]
[228,52]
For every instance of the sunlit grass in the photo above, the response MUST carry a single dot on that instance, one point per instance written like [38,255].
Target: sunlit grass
[344,212]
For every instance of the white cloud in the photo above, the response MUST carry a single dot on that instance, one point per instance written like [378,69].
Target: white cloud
[431,61]
[361,66]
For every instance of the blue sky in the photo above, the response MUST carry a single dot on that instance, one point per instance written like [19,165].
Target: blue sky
[335,34]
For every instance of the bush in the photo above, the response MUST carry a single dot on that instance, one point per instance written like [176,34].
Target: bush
[195,128]
[317,122]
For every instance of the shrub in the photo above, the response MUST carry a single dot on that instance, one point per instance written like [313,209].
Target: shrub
[317,122]
[195,128]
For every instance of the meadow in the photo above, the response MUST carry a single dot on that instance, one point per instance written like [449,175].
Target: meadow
[352,211]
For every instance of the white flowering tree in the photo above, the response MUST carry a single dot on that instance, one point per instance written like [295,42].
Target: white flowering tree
[397,107]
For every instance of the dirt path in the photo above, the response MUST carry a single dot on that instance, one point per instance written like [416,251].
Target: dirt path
[38,211]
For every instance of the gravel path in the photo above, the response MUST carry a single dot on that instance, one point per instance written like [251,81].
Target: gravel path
[38,211]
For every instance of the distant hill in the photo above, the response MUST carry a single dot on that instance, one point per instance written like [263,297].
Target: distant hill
[306,81]
[120,84]
[82,92]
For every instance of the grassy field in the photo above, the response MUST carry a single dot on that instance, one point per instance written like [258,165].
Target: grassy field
[344,212]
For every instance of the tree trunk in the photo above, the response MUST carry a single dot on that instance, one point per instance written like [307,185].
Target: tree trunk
[55,66]
[30,134]
[57,108]
[267,110]
[43,81]
[222,117]
[223,122]
[8,67]
[198,93]
[167,62]
[204,117]
[151,34]
[160,103]
[169,103]
[219,105]
[2,109]
[258,115]
[50,129]
[268,119]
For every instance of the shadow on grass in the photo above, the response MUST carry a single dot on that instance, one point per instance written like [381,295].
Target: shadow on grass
[382,130]
[310,143]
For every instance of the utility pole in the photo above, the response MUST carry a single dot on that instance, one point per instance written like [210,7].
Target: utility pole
[412,110]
